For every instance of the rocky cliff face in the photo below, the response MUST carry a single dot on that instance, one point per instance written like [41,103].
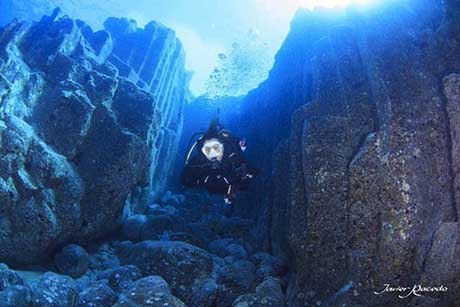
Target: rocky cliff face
[87,10]
[83,124]
[362,150]
[154,60]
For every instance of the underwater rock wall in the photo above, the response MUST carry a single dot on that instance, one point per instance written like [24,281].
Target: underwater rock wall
[80,139]
[154,60]
[358,122]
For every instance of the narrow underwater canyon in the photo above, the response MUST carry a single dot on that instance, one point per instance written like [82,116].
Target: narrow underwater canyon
[356,134]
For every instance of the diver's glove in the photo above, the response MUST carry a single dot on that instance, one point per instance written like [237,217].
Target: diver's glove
[242,172]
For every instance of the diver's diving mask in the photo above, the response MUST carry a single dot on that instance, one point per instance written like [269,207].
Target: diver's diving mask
[213,150]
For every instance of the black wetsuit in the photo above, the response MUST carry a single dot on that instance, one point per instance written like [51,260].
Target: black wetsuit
[225,177]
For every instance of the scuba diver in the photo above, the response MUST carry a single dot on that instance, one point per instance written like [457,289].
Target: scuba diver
[216,162]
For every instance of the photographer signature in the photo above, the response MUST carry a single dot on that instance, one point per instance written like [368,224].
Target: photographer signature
[415,290]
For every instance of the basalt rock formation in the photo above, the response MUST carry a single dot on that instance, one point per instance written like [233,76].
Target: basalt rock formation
[363,153]
[154,60]
[356,133]
[88,127]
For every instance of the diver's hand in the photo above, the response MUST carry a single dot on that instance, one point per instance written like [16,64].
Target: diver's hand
[241,171]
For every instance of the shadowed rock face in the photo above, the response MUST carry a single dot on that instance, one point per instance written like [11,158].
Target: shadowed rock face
[364,141]
[77,136]
[154,60]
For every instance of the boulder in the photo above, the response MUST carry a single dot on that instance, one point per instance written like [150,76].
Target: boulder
[54,290]
[122,248]
[97,294]
[230,259]
[9,278]
[237,251]
[269,265]
[149,291]
[206,294]
[16,296]
[132,227]
[72,260]
[156,226]
[228,247]
[173,200]
[236,279]
[104,258]
[268,293]
[219,246]
[122,278]
[184,266]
